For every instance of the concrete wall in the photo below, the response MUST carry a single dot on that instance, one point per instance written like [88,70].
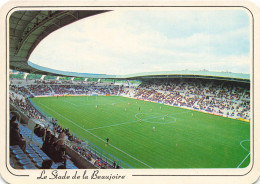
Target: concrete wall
[79,161]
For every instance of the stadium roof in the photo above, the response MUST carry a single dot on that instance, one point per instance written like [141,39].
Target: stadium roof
[150,75]
[28,28]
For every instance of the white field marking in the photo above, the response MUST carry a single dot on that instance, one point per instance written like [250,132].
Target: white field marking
[98,137]
[159,116]
[243,146]
[112,125]
[82,105]
[244,149]
[243,160]
[133,121]
[71,103]
[153,117]
[102,104]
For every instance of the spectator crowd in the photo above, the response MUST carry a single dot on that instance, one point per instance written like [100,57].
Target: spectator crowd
[224,98]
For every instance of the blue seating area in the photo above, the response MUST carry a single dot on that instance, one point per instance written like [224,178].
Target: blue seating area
[26,132]
[22,158]
[36,154]
[70,165]
[56,165]
[33,156]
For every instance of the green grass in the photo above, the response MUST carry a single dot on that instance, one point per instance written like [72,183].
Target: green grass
[182,138]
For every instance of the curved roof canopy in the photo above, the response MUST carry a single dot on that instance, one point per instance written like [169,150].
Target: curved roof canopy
[239,77]
[28,28]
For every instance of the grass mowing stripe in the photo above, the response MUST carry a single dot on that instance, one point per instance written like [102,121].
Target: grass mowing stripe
[97,137]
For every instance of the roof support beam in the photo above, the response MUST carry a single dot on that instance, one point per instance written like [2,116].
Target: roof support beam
[42,77]
[25,75]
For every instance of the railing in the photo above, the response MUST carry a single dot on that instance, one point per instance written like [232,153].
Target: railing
[99,152]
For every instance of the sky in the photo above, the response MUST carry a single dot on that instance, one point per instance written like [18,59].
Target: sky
[127,41]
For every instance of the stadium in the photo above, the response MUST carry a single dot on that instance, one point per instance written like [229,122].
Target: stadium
[176,119]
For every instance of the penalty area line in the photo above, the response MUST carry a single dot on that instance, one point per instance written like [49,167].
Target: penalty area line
[243,160]
[244,149]
[243,146]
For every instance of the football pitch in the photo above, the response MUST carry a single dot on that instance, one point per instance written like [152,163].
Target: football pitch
[151,135]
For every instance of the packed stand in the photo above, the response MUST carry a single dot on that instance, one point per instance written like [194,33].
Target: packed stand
[40,89]
[223,98]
